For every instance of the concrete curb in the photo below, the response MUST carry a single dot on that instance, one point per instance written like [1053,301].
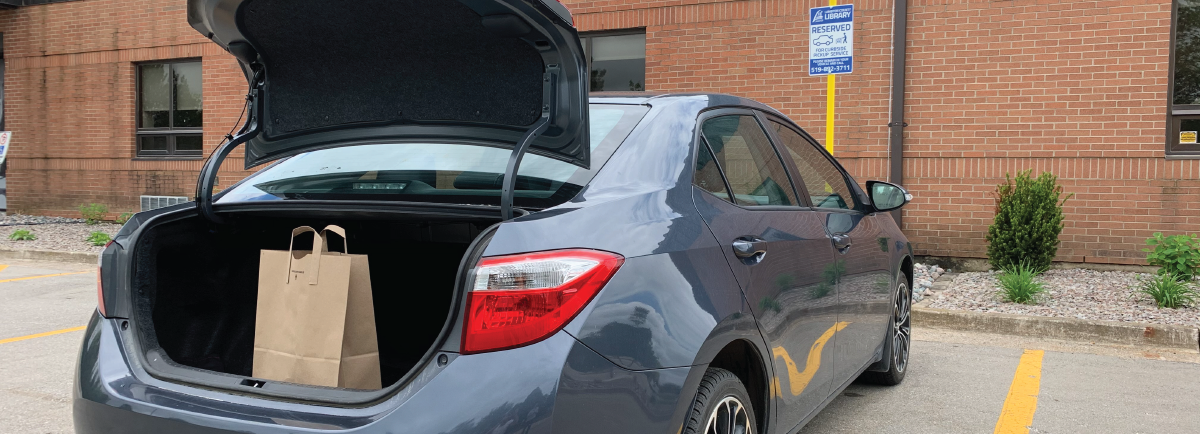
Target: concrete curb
[1111,332]
[50,255]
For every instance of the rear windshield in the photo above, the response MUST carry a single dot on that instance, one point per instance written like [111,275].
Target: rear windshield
[436,172]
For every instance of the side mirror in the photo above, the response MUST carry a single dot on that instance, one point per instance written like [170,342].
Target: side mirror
[886,196]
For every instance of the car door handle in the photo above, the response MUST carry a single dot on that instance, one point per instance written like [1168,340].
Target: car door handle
[750,248]
[841,241]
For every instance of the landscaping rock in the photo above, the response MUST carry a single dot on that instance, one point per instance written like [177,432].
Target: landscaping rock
[1070,293]
[62,237]
[20,219]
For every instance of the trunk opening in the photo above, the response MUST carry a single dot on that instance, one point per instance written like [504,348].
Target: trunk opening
[196,285]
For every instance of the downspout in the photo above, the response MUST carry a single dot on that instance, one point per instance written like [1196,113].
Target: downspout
[897,124]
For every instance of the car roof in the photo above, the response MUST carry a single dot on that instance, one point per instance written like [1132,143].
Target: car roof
[653,98]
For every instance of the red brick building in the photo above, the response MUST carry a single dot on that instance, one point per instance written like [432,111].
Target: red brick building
[1080,88]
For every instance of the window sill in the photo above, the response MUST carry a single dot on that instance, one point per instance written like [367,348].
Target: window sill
[168,158]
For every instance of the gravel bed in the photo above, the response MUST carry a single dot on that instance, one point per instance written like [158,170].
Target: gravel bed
[923,278]
[63,237]
[21,219]
[1071,293]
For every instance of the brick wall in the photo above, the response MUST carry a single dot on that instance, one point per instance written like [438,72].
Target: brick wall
[1077,88]
[70,102]
[994,87]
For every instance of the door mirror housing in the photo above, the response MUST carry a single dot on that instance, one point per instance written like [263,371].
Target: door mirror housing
[886,196]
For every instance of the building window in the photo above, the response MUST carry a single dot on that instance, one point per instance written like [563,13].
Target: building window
[170,110]
[1183,117]
[617,60]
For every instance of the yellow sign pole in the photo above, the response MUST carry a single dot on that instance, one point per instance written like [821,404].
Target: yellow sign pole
[830,104]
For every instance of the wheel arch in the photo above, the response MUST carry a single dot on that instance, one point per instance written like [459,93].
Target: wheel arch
[742,359]
[906,265]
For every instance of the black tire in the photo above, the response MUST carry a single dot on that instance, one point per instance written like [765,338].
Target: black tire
[719,391]
[898,341]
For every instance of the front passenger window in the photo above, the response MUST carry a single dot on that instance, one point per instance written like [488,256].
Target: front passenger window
[826,186]
[753,169]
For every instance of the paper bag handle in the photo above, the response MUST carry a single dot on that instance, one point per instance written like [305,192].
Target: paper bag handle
[337,230]
[317,248]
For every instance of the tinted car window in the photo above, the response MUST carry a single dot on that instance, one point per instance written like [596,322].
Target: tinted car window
[708,175]
[825,185]
[436,172]
[752,167]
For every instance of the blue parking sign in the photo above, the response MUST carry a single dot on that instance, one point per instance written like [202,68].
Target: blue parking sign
[831,40]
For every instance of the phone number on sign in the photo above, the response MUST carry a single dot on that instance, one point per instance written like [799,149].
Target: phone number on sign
[831,69]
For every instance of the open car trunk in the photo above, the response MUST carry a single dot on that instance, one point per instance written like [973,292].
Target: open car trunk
[196,284]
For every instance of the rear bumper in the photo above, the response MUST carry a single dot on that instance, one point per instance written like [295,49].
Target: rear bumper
[557,385]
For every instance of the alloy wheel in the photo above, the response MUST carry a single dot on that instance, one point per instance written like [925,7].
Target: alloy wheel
[901,327]
[728,417]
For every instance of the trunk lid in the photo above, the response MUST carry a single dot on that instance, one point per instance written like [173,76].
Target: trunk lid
[328,74]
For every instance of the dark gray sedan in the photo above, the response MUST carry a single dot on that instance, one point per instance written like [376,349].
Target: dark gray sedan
[541,260]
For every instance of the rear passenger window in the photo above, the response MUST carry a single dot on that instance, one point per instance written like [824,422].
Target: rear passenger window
[708,175]
[753,169]
[826,186]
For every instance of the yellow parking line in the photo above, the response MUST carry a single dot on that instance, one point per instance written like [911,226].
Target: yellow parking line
[44,275]
[2,267]
[39,335]
[1017,414]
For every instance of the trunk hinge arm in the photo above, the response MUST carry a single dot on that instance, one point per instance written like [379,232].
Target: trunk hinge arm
[514,163]
[208,173]
[549,103]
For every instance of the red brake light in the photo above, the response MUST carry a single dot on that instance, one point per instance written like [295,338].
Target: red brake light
[100,282]
[521,299]
[100,291]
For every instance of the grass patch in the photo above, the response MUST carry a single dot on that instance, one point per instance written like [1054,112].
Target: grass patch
[93,213]
[98,238]
[1018,284]
[768,303]
[1168,291]
[22,235]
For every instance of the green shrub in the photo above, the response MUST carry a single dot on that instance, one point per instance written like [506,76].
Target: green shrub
[832,274]
[1019,285]
[98,238]
[22,235]
[822,289]
[785,282]
[1028,221]
[93,212]
[1168,291]
[124,217]
[1176,255]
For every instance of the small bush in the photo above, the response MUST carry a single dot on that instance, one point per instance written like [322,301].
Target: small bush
[785,282]
[22,235]
[98,238]
[124,217]
[822,289]
[93,212]
[1028,221]
[1176,255]
[1019,285]
[1168,291]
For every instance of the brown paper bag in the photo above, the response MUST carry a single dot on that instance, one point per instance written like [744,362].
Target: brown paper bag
[315,322]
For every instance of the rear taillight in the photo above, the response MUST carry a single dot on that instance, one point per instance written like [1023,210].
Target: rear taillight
[521,299]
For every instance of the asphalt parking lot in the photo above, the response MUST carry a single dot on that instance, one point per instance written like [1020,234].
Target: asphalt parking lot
[958,382]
